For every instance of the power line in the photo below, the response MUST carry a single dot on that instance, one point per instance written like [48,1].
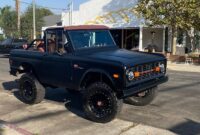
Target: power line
[53,8]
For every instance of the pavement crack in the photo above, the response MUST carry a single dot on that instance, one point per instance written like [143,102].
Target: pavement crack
[127,128]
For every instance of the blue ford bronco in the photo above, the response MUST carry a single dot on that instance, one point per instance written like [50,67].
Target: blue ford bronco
[86,59]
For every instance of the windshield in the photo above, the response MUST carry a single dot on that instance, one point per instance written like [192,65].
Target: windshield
[91,39]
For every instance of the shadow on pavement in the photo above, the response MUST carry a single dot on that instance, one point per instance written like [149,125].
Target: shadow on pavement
[179,87]
[71,100]
[10,86]
[4,55]
[2,122]
[37,117]
[187,128]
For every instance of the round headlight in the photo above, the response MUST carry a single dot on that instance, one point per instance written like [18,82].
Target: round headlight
[130,75]
[162,68]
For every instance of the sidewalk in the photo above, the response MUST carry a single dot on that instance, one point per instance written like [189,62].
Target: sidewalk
[49,118]
[137,130]
[183,67]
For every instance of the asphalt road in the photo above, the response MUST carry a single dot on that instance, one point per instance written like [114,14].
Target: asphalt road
[176,108]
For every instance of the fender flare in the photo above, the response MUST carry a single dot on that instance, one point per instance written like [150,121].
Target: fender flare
[102,72]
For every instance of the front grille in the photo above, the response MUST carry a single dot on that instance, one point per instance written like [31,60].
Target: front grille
[147,70]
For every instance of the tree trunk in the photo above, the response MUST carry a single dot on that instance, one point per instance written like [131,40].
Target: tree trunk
[174,40]
[192,36]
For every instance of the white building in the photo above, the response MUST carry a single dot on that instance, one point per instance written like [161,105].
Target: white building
[113,13]
[128,31]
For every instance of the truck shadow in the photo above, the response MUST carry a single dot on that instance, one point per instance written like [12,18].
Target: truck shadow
[4,55]
[71,100]
[189,127]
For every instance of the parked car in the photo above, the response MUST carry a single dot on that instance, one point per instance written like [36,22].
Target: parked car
[86,59]
[11,43]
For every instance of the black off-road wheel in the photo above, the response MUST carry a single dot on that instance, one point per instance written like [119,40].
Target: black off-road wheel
[142,98]
[30,90]
[101,103]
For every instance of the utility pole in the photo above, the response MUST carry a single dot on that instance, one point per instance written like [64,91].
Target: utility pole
[17,5]
[72,8]
[69,13]
[34,31]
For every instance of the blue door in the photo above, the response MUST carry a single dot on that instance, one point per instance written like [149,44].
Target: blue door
[56,63]
[56,70]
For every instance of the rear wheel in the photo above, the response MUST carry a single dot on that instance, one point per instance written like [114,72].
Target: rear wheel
[30,90]
[100,103]
[142,98]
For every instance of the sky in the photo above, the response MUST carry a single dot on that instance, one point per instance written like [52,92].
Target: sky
[58,4]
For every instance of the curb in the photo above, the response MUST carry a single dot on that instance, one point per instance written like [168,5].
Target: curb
[10,129]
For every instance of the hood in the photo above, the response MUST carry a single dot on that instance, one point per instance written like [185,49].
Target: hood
[128,58]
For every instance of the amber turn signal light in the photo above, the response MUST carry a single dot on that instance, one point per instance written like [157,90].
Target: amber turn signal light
[116,76]
[136,74]
[157,69]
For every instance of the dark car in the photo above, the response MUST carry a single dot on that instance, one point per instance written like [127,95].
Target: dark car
[86,59]
[11,43]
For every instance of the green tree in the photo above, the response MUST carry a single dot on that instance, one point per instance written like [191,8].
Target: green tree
[8,21]
[183,14]
[1,38]
[27,21]
[0,17]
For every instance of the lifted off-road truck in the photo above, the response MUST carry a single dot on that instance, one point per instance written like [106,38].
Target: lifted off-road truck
[86,59]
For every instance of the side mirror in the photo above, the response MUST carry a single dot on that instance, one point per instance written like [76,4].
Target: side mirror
[67,47]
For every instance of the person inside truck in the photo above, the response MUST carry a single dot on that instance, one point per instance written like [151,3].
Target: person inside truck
[40,46]
[51,46]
